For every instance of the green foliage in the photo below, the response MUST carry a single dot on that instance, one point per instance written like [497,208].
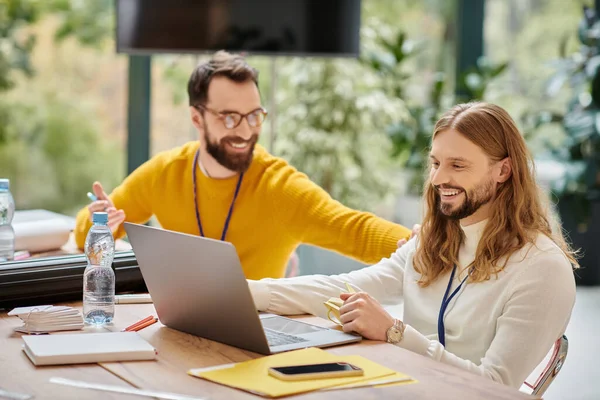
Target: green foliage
[50,145]
[331,126]
[388,58]
[54,153]
[411,137]
[90,22]
[32,179]
[473,83]
[177,73]
[579,152]
[15,49]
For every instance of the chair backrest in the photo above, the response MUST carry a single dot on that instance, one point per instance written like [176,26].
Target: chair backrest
[557,360]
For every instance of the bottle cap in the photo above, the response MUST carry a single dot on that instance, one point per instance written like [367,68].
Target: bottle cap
[100,217]
[4,184]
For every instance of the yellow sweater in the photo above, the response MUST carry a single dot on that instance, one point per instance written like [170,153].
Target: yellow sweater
[277,209]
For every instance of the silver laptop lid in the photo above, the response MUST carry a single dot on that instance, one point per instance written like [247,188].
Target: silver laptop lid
[208,296]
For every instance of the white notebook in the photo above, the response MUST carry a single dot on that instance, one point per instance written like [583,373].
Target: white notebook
[80,348]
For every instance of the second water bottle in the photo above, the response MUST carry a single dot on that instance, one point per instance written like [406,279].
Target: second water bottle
[7,211]
[99,277]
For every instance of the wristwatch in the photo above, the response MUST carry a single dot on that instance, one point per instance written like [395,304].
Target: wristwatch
[396,332]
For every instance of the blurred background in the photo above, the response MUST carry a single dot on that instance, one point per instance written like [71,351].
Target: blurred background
[77,106]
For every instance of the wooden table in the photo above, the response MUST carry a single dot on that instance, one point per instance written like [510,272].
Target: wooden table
[178,352]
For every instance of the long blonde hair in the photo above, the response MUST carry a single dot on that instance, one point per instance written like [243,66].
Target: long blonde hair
[517,213]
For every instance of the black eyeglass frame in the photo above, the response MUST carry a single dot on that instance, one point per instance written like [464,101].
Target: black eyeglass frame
[236,116]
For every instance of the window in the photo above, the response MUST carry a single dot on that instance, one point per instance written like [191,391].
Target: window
[63,127]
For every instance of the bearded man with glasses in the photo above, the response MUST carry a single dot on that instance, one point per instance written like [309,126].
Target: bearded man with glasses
[227,187]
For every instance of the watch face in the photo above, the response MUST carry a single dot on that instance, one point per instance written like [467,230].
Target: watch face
[394,335]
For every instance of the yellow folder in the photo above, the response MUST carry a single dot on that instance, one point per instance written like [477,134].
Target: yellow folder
[395,379]
[252,376]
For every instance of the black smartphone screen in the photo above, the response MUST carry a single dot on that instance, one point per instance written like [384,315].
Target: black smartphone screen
[314,368]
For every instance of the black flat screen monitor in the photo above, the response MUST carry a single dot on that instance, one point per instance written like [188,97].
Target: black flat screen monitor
[269,27]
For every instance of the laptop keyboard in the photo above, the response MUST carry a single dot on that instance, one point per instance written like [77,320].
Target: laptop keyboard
[276,338]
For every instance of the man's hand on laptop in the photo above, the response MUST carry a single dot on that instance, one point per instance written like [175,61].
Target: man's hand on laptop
[104,203]
[415,231]
[364,315]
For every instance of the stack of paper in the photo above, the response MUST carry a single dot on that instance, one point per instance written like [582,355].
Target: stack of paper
[253,375]
[48,318]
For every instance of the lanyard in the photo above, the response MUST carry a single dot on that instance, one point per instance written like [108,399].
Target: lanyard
[445,302]
[237,190]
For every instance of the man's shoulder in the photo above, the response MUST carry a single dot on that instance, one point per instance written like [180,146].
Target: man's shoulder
[543,266]
[176,156]
[276,170]
[543,253]
[264,160]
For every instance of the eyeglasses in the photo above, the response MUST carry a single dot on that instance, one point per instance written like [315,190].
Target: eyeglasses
[232,119]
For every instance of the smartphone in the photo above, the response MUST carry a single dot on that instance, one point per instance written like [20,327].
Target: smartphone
[315,371]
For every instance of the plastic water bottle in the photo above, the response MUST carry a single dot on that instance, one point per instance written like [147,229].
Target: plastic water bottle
[99,277]
[7,211]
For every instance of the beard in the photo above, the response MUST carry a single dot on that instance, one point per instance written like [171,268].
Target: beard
[474,200]
[237,162]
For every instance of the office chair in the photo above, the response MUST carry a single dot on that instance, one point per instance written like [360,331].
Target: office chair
[557,360]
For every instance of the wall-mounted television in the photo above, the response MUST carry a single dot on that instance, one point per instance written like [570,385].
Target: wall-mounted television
[268,27]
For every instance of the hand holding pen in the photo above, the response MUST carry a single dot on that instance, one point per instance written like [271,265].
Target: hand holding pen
[101,202]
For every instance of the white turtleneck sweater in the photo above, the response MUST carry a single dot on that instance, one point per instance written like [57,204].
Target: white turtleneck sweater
[501,328]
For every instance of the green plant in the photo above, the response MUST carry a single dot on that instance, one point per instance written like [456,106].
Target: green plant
[411,136]
[331,126]
[579,152]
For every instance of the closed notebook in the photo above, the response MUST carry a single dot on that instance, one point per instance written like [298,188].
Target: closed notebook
[81,348]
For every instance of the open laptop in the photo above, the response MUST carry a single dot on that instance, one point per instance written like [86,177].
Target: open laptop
[198,286]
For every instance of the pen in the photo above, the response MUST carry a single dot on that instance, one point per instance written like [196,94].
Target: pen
[148,318]
[93,197]
[142,326]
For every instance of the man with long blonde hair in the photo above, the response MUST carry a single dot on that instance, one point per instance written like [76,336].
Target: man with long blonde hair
[487,285]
